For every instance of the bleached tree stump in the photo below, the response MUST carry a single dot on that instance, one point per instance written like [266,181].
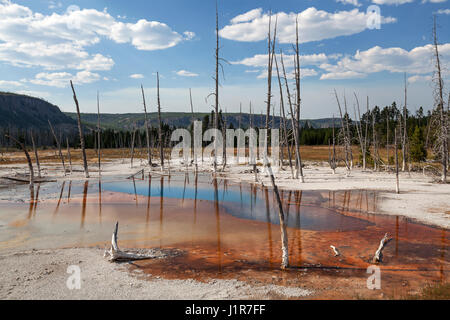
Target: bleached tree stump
[115,254]
[336,251]
[379,253]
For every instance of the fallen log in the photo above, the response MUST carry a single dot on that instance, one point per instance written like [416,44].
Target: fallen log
[139,172]
[27,180]
[379,253]
[162,174]
[115,254]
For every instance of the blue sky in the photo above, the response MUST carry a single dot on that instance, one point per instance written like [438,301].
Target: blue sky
[114,46]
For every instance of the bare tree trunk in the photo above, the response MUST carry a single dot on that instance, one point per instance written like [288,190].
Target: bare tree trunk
[284,235]
[80,130]
[68,154]
[448,130]
[349,137]
[30,164]
[193,121]
[360,133]
[270,54]
[442,140]
[255,170]
[298,96]
[58,144]
[239,137]
[397,187]
[216,106]
[147,133]
[132,144]
[405,114]
[343,128]
[224,137]
[299,168]
[36,154]
[387,141]
[161,144]
[283,118]
[366,135]
[99,136]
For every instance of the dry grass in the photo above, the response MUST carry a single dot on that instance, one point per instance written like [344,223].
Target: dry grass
[51,156]
[308,153]
[439,291]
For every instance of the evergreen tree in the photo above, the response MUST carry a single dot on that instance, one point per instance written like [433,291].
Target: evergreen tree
[418,151]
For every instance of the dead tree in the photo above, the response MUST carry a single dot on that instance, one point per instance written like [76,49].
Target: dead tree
[270,54]
[349,136]
[366,136]
[253,160]
[344,133]
[132,144]
[35,153]
[68,154]
[448,131]
[193,124]
[283,118]
[299,169]
[216,94]
[161,144]
[387,140]
[224,137]
[404,135]
[30,164]
[441,144]
[360,133]
[115,254]
[58,144]
[80,130]
[298,95]
[147,133]
[237,159]
[98,136]
[283,229]
[397,187]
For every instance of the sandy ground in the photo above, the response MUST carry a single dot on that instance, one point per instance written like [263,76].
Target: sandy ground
[43,275]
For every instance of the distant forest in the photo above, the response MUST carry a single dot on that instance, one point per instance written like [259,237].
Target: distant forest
[383,121]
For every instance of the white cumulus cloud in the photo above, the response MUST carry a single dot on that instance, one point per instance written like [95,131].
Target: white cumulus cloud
[62,79]
[314,25]
[185,73]
[391,2]
[416,61]
[60,42]
[137,76]
[353,2]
